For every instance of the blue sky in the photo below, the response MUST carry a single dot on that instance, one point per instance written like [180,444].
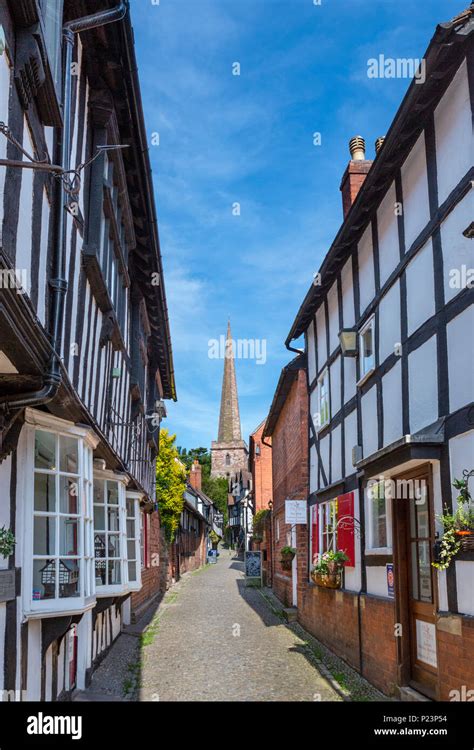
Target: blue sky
[225,139]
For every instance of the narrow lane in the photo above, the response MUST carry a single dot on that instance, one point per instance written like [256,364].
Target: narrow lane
[219,640]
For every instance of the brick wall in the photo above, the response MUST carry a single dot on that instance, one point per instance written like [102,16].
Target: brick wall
[455,640]
[261,468]
[154,576]
[290,478]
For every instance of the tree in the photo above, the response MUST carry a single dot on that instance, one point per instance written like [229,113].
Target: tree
[170,484]
[214,487]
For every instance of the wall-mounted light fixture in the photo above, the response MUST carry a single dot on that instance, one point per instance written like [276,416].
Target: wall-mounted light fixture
[348,341]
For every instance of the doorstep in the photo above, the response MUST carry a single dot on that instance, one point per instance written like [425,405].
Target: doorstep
[290,614]
[409,694]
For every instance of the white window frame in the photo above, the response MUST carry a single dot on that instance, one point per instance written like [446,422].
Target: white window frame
[52,22]
[133,498]
[87,441]
[117,589]
[369,547]
[324,376]
[365,374]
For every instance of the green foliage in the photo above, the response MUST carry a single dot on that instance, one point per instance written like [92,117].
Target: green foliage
[216,488]
[330,562]
[170,484]
[288,551]
[462,519]
[7,542]
[259,521]
[214,537]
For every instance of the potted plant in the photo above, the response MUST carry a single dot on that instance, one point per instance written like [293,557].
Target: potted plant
[458,527]
[7,542]
[287,555]
[327,570]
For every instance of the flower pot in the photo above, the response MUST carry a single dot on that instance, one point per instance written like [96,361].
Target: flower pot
[466,538]
[329,581]
[286,562]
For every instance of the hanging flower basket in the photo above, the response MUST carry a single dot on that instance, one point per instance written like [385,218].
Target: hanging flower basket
[287,555]
[466,539]
[327,581]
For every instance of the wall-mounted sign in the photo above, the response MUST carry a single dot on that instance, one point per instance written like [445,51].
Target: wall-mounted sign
[426,642]
[390,581]
[7,585]
[295,511]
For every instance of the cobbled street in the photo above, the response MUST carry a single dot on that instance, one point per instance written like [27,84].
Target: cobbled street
[219,640]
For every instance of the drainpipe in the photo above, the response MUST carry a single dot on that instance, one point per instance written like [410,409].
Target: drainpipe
[52,379]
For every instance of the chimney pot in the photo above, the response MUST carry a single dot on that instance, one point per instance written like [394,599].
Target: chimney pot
[357,148]
[379,143]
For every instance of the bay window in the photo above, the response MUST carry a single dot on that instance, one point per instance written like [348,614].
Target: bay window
[110,540]
[58,505]
[133,540]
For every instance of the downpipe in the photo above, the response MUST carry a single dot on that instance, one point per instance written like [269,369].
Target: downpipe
[52,379]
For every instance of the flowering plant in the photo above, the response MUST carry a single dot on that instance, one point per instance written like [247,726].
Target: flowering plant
[329,562]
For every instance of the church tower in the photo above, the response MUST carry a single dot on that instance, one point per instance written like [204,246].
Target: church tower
[229,452]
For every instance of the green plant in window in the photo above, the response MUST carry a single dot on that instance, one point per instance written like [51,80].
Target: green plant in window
[7,542]
[456,524]
[330,563]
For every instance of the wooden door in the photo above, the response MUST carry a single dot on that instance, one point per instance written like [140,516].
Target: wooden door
[420,594]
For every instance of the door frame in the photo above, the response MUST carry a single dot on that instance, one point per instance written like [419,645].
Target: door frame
[401,558]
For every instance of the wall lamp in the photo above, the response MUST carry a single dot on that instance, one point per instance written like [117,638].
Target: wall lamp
[348,341]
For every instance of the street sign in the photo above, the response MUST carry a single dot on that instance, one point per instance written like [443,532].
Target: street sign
[295,511]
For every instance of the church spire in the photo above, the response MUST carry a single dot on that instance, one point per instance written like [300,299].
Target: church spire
[229,417]
[229,453]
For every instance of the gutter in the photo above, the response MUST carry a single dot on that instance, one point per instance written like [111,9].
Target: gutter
[52,379]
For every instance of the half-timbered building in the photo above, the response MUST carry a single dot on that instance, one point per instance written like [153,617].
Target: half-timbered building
[388,326]
[85,351]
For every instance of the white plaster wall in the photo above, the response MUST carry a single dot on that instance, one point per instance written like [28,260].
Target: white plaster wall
[24,232]
[324,451]
[336,458]
[48,674]
[350,439]
[321,337]
[377,580]
[3,612]
[4,97]
[313,405]
[34,660]
[461,455]
[465,588]
[311,353]
[45,214]
[415,192]
[387,224]
[392,404]
[116,623]
[347,287]
[420,288]
[453,128]
[335,384]
[84,635]
[5,475]
[333,318]
[313,470]
[369,422]
[350,378]
[352,576]
[423,385]
[457,249]
[389,322]
[366,269]
[460,333]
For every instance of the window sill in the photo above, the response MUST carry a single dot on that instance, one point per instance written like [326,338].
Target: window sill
[59,608]
[105,591]
[365,377]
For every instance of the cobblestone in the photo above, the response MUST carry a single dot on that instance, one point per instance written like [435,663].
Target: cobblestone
[219,640]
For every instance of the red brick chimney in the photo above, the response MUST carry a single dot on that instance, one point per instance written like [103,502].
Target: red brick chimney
[355,173]
[195,479]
